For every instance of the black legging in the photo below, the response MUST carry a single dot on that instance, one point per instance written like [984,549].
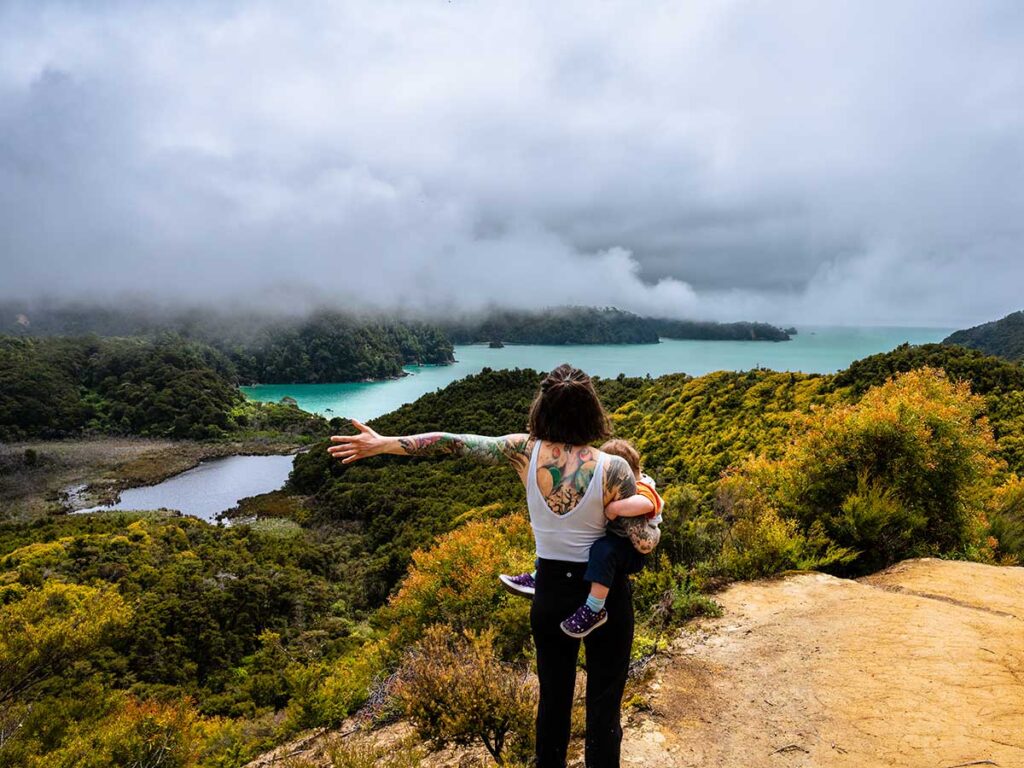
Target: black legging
[560,591]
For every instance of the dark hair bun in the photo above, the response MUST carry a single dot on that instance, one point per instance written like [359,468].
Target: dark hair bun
[567,409]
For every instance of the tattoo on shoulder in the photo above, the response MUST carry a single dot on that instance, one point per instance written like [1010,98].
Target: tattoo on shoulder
[619,480]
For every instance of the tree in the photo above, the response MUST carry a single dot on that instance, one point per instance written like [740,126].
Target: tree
[50,628]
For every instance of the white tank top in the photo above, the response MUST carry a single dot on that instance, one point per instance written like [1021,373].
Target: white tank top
[566,537]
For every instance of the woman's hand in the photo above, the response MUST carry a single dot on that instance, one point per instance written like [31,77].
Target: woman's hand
[351,448]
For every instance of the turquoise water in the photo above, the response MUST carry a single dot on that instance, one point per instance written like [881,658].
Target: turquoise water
[812,350]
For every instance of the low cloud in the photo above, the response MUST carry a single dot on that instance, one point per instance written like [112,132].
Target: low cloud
[798,163]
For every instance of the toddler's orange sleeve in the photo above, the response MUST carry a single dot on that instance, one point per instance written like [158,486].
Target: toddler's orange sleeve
[652,496]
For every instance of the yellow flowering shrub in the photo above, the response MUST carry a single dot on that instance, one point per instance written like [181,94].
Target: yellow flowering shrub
[456,581]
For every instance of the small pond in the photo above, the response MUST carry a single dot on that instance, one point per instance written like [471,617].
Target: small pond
[210,488]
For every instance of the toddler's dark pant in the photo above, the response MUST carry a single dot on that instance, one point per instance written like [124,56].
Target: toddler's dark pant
[561,588]
[611,555]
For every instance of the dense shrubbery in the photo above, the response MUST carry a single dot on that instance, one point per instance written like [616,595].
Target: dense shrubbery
[690,430]
[216,614]
[562,325]
[134,733]
[457,578]
[288,624]
[330,346]
[905,472]
[166,388]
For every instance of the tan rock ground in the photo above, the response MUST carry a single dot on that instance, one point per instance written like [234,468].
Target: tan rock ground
[921,666]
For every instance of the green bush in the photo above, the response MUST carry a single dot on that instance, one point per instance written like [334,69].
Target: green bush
[1006,520]
[766,544]
[138,733]
[455,690]
[456,581]
[904,472]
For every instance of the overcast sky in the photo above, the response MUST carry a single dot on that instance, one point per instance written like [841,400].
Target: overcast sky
[852,162]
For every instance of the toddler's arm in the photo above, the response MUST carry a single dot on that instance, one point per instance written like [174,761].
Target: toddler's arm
[635,506]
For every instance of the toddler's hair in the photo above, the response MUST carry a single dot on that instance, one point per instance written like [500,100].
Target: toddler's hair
[625,449]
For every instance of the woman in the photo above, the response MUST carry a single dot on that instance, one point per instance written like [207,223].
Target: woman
[568,483]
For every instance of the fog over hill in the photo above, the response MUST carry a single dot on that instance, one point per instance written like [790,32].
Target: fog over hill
[809,163]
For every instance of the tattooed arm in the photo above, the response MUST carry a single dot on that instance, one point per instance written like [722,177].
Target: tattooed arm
[508,449]
[619,481]
[620,485]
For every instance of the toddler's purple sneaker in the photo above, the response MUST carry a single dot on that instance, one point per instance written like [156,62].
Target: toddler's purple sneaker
[523,585]
[584,621]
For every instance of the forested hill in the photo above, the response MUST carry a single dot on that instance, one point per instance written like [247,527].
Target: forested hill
[1003,337]
[218,642]
[321,347]
[594,325]
[162,387]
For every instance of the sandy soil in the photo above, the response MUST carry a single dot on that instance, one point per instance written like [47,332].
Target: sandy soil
[920,666]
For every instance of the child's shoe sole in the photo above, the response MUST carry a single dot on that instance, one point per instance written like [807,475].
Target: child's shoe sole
[581,635]
[514,588]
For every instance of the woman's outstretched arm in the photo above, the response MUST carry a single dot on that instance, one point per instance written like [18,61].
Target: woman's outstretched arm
[510,449]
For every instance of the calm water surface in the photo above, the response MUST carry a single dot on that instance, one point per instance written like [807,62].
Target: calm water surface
[209,489]
[812,350]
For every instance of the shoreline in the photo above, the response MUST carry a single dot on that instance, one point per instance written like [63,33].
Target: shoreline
[68,475]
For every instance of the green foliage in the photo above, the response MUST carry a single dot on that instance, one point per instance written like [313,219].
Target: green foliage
[323,346]
[1003,337]
[146,733]
[903,472]
[767,544]
[454,689]
[458,578]
[325,693]
[690,430]
[562,325]
[697,329]
[329,347]
[164,388]
[665,595]
[203,597]
[1005,514]
[985,374]
[690,532]
[44,629]
[254,419]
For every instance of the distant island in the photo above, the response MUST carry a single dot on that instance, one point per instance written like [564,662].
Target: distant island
[596,325]
[1004,337]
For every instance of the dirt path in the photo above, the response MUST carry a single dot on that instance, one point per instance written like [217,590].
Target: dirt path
[922,665]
